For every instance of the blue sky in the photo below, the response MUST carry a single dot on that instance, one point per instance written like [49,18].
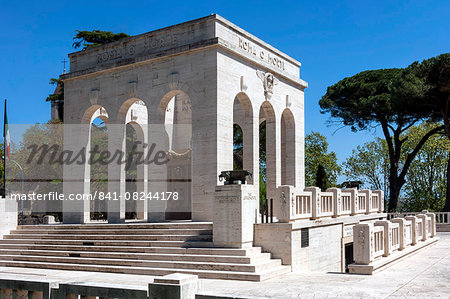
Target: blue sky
[332,40]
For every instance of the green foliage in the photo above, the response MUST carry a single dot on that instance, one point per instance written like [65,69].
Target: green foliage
[238,146]
[316,154]
[262,163]
[370,164]
[381,98]
[94,38]
[57,97]
[425,187]
[322,179]
[425,181]
[435,75]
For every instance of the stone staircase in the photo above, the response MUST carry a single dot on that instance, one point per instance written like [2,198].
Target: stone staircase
[146,249]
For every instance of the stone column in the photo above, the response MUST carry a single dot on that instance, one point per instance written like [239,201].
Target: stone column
[116,173]
[157,173]
[402,230]
[315,201]
[273,156]
[142,177]
[363,247]
[387,225]
[413,220]
[235,212]
[337,201]
[77,137]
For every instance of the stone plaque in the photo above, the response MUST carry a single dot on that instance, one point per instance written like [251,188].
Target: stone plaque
[348,230]
[305,237]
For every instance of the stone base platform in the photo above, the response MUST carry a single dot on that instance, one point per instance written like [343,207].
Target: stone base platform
[154,249]
[384,262]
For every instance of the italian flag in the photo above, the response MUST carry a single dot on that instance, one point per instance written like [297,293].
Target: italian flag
[7,137]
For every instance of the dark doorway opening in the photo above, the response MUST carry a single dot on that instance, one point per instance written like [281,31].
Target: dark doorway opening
[348,256]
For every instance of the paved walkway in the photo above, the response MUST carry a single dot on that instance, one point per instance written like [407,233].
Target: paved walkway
[425,274]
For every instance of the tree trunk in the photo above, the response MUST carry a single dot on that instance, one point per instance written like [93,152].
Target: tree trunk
[395,185]
[447,196]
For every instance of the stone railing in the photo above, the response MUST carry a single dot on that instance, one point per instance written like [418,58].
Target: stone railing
[441,217]
[172,286]
[384,237]
[312,203]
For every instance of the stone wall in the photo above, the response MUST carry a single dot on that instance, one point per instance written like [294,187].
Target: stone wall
[8,219]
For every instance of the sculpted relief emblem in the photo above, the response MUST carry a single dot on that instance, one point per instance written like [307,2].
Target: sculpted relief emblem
[269,81]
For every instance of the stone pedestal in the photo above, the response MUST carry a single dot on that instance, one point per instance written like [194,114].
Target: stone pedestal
[283,209]
[174,286]
[363,246]
[235,212]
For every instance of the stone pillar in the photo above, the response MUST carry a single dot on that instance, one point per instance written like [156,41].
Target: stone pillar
[363,247]
[380,200]
[337,201]
[116,174]
[424,226]
[402,230]
[433,222]
[157,173]
[315,201]
[235,212]
[413,220]
[174,286]
[273,156]
[353,199]
[283,203]
[387,226]
[142,179]
[77,177]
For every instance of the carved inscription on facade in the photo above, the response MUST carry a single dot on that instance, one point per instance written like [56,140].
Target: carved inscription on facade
[116,53]
[261,54]
[152,42]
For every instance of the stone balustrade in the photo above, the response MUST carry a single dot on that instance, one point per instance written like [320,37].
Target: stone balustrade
[312,203]
[382,238]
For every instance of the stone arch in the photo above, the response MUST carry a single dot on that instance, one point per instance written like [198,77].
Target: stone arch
[93,112]
[288,148]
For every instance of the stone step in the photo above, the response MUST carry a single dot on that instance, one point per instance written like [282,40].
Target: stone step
[109,243]
[97,226]
[174,231]
[208,274]
[113,237]
[263,266]
[164,250]
[259,258]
